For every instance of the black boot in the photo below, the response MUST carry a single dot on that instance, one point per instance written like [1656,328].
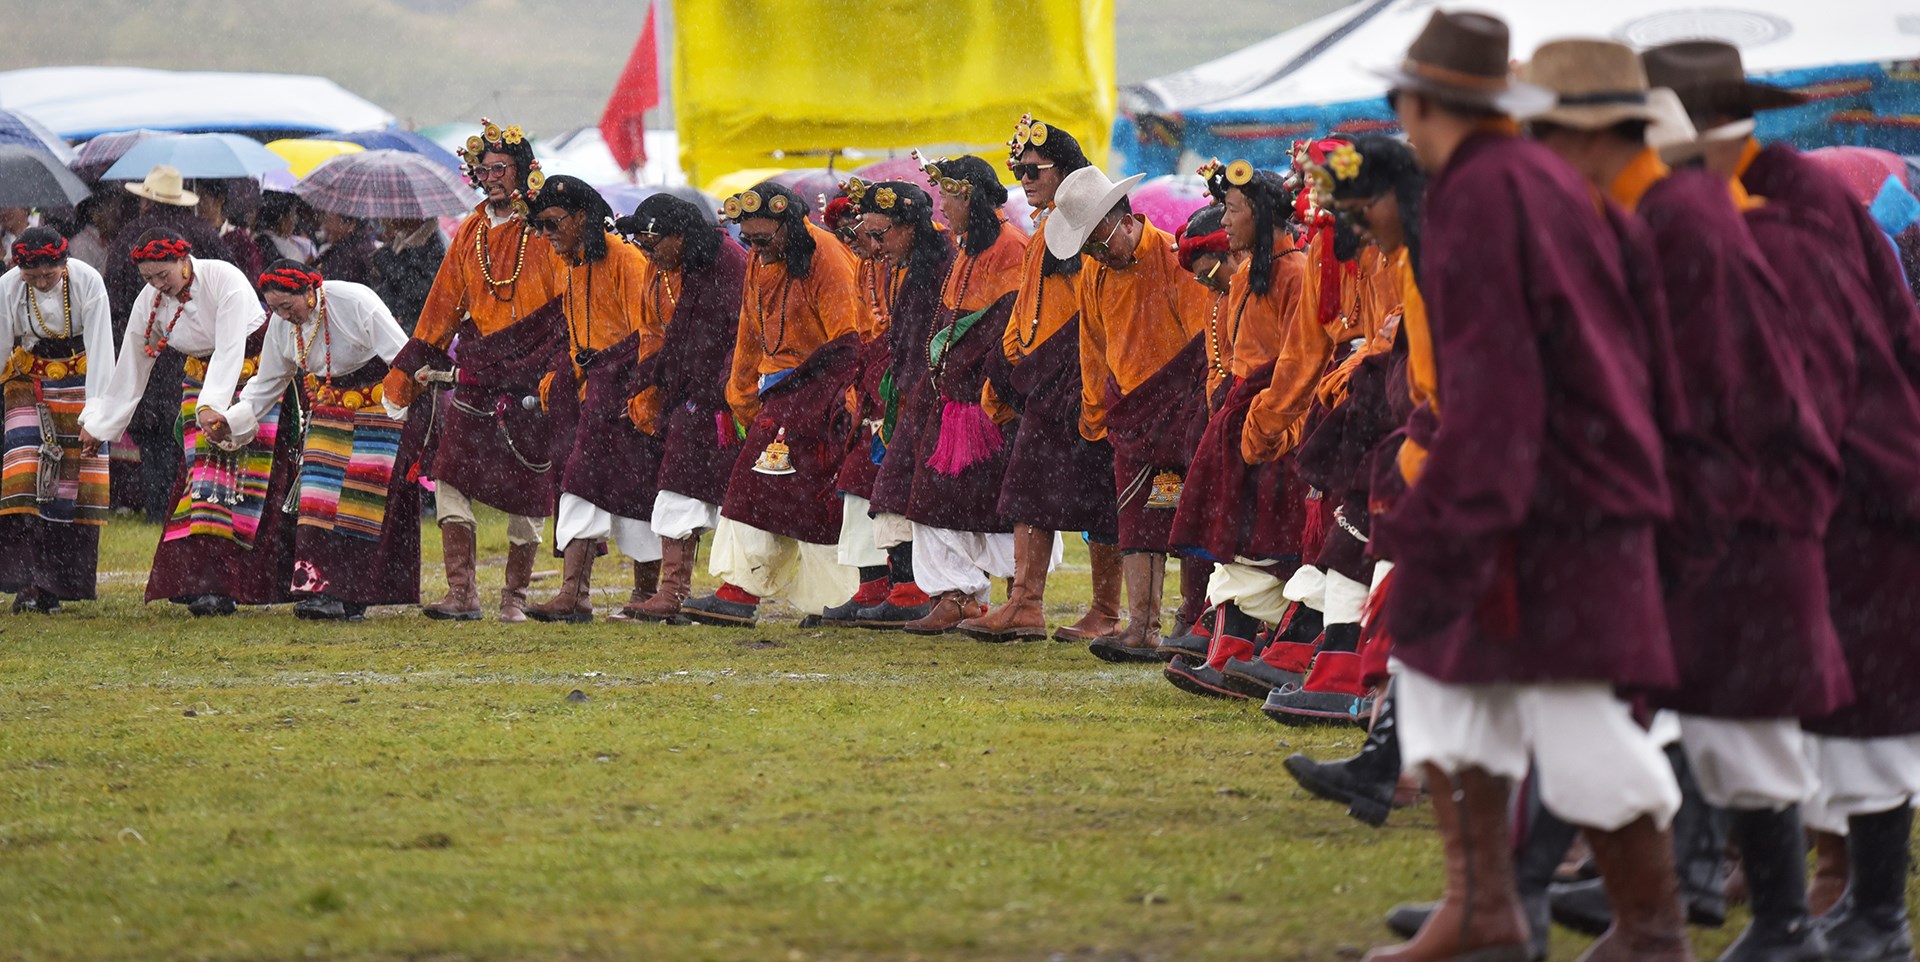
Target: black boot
[1870,924]
[1773,848]
[1366,781]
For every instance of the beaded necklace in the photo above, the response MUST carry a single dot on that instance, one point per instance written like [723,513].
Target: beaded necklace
[760,313]
[486,263]
[882,300]
[660,284]
[153,348]
[586,326]
[966,279]
[66,310]
[322,331]
[1039,304]
[1218,359]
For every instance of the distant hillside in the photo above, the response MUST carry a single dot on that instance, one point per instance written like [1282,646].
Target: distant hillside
[546,65]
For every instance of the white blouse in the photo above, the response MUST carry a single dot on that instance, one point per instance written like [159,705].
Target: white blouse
[221,313]
[92,321]
[357,328]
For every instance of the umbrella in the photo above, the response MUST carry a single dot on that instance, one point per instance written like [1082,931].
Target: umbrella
[196,155]
[30,177]
[1863,169]
[386,184]
[893,168]
[1170,199]
[303,155]
[96,155]
[395,138]
[623,198]
[18,128]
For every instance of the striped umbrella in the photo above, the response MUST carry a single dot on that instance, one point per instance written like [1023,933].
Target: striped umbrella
[387,184]
[18,128]
[96,155]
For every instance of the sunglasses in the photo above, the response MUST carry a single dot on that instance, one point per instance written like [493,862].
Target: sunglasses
[1098,247]
[757,240]
[1028,171]
[547,225]
[877,235]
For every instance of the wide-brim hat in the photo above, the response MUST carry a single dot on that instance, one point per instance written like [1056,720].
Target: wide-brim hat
[1462,58]
[1710,80]
[165,186]
[1079,203]
[1595,85]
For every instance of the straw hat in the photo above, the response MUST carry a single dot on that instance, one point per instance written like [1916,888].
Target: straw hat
[1595,84]
[163,185]
[1462,57]
[1079,203]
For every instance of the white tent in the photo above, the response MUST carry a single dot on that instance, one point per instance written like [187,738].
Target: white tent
[81,102]
[1288,80]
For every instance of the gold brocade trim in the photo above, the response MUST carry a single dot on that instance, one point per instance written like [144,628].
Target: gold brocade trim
[353,399]
[196,368]
[25,363]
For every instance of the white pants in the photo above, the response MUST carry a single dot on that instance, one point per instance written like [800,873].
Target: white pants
[1595,766]
[1252,587]
[451,505]
[949,560]
[581,520]
[890,530]
[807,576]
[1748,763]
[859,544]
[676,516]
[1339,599]
[1860,776]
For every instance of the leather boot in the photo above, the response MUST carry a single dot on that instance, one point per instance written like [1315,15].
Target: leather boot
[646,583]
[1367,781]
[1773,848]
[1699,857]
[1871,924]
[1145,574]
[949,610]
[571,604]
[1649,925]
[513,587]
[1025,614]
[675,582]
[1479,918]
[1103,615]
[462,600]
[1829,872]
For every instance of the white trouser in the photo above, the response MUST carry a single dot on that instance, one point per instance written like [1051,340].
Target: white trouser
[581,520]
[1339,599]
[1860,776]
[1595,766]
[859,546]
[890,530]
[1252,586]
[949,560]
[676,516]
[1748,763]
[451,505]
[807,576]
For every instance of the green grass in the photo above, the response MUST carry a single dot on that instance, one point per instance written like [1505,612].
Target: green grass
[258,788]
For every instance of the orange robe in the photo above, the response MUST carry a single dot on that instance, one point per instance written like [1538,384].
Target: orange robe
[1133,321]
[1042,308]
[976,281]
[1278,416]
[653,310]
[602,303]
[783,320]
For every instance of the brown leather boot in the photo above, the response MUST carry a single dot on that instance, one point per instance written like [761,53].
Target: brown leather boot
[1479,918]
[1025,614]
[647,586]
[462,600]
[513,588]
[1146,577]
[676,582]
[949,610]
[1829,880]
[572,604]
[1103,616]
[1649,924]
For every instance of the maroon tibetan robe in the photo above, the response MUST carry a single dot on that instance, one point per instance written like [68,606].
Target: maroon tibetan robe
[611,464]
[1148,429]
[809,404]
[915,316]
[1231,509]
[967,501]
[1055,479]
[1337,457]
[691,374]
[1525,549]
[1855,330]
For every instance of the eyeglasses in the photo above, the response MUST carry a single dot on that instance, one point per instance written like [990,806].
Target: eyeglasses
[492,170]
[1028,171]
[547,225]
[646,240]
[757,240]
[877,235]
[1097,247]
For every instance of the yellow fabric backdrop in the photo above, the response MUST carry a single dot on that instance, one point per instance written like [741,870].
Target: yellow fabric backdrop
[807,77]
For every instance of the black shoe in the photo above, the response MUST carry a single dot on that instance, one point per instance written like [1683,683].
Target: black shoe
[1367,781]
[886,615]
[1297,706]
[353,612]
[1405,919]
[1254,678]
[1773,850]
[319,608]
[212,606]
[1870,923]
[1194,677]
[1190,646]
[841,615]
[1581,906]
[1699,848]
[715,610]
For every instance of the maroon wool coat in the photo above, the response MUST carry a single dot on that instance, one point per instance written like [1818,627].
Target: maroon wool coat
[1231,509]
[1055,480]
[1147,428]
[916,311]
[1525,549]
[691,372]
[1857,333]
[968,501]
[809,404]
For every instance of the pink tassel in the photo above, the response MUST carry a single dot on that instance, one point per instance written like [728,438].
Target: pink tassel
[967,437]
[1313,537]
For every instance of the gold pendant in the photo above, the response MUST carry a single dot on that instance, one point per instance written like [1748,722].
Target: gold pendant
[1166,490]
[777,458]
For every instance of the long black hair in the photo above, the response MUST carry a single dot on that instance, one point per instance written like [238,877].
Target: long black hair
[800,245]
[983,201]
[670,216]
[1272,206]
[573,194]
[1064,151]
[911,207]
[1387,164]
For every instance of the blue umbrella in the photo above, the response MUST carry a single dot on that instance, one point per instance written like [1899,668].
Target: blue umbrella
[200,156]
[18,128]
[395,138]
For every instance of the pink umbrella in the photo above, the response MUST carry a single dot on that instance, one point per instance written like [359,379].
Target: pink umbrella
[1864,169]
[1170,199]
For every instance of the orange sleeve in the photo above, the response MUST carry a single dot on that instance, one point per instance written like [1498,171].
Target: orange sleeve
[447,299]
[1000,411]
[1093,355]
[743,386]
[835,300]
[1278,415]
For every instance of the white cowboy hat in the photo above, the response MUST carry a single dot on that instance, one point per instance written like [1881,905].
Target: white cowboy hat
[163,185]
[1079,203]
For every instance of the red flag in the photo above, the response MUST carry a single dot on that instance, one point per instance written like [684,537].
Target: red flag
[623,123]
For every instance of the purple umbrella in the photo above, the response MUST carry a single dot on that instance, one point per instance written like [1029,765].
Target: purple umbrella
[18,128]
[1170,199]
[810,183]
[397,138]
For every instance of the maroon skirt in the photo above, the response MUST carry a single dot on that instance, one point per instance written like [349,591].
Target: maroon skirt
[61,557]
[807,410]
[969,500]
[1231,509]
[490,447]
[1055,479]
[858,470]
[613,465]
[1872,563]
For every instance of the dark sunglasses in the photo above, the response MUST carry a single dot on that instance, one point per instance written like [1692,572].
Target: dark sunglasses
[877,235]
[1098,247]
[1029,171]
[547,225]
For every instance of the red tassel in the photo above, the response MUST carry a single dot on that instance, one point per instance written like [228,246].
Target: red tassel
[967,437]
[1375,644]
[1313,536]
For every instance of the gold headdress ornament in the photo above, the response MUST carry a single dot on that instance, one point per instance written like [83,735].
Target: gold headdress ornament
[1240,173]
[856,190]
[1027,133]
[750,202]
[885,198]
[951,186]
[506,140]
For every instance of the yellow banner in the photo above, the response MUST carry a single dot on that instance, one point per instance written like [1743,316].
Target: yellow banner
[789,83]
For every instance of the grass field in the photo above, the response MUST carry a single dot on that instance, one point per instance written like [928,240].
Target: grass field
[258,788]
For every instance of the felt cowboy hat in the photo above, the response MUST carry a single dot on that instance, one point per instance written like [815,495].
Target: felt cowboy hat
[1079,203]
[1710,80]
[1462,58]
[1595,84]
[163,185]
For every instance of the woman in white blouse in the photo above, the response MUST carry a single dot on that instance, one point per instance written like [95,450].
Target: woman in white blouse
[56,341]
[228,542]
[357,541]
